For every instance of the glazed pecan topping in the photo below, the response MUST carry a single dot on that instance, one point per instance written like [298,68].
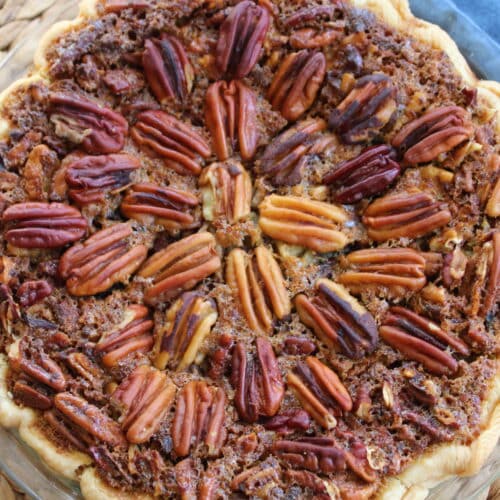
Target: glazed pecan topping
[43,225]
[179,146]
[69,431]
[145,397]
[367,174]
[366,110]
[167,68]
[199,419]
[188,321]
[257,381]
[297,83]
[103,260]
[436,132]
[162,206]
[307,223]
[405,215]
[493,205]
[308,14]
[99,130]
[180,266]
[241,37]
[422,340]
[32,292]
[258,481]
[132,335]
[338,319]
[27,395]
[231,118]
[119,5]
[289,421]
[258,284]
[9,310]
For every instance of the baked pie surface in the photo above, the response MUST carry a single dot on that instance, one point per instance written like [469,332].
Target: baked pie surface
[251,249]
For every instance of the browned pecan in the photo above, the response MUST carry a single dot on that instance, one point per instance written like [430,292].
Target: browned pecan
[82,121]
[30,396]
[104,259]
[297,83]
[298,345]
[307,14]
[424,390]
[145,397]
[230,114]
[289,421]
[80,364]
[119,5]
[69,431]
[366,110]
[180,266]
[241,36]
[493,205]
[428,425]
[310,38]
[436,132]
[9,310]
[422,340]
[258,481]
[7,268]
[338,319]
[43,225]
[454,267]
[31,292]
[42,162]
[408,214]
[257,381]
[179,146]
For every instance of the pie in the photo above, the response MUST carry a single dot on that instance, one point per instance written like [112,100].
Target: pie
[251,249]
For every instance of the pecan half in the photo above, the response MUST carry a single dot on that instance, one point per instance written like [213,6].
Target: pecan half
[289,421]
[188,322]
[405,215]
[241,36]
[366,110]
[436,132]
[38,170]
[258,481]
[297,83]
[99,130]
[259,285]
[104,259]
[27,395]
[9,310]
[119,5]
[180,266]
[43,225]
[79,438]
[493,205]
[179,146]
[338,319]
[32,292]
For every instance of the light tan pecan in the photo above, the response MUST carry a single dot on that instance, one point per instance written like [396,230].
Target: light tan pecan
[179,145]
[338,319]
[187,322]
[259,287]
[258,481]
[408,214]
[145,397]
[297,83]
[42,162]
[307,223]
[180,266]
[230,114]
[106,258]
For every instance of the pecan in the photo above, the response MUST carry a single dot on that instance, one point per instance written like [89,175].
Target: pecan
[119,5]
[179,146]
[297,82]
[307,223]
[454,267]
[231,118]
[132,335]
[241,36]
[180,266]
[309,38]
[31,292]
[258,481]
[145,397]
[7,269]
[298,345]
[369,173]
[199,419]
[163,206]
[9,310]
[435,133]
[422,340]
[85,368]
[70,432]
[308,480]
[289,421]
[257,381]
[405,215]
[42,162]
[104,259]
[303,16]
[338,319]
[493,205]
[366,110]
[99,130]
[423,390]
[259,285]
[43,225]
[29,396]
[187,323]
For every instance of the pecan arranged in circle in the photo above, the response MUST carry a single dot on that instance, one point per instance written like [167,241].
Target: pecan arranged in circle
[259,287]
[241,37]
[43,225]
[179,146]
[187,323]
[367,174]
[99,130]
[32,292]
[297,83]
[338,319]
[106,258]
[405,215]
[366,110]
[436,132]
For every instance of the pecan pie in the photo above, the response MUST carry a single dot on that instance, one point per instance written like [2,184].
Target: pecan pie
[251,249]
